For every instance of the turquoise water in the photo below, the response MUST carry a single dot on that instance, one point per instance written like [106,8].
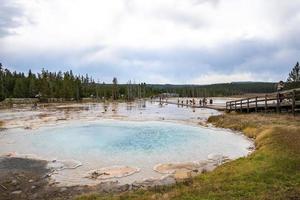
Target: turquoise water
[112,142]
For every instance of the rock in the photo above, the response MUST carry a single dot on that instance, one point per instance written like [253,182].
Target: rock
[124,188]
[47,176]
[218,158]
[14,182]
[167,180]
[112,172]
[209,167]
[193,174]
[135,186]
[151,182]
[251,148]
[108,186]
[63,189]
[63,164]
[33,187]
[171,168]
[30,181]
[16,192]
[95,175]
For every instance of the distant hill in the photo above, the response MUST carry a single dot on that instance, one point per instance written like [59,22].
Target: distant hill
[222,89]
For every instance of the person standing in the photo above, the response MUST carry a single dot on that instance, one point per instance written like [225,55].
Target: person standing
[280,87]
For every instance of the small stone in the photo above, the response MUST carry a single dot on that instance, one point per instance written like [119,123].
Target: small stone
[17,192]
[30,181]
[196,172]
[14,182]
[33,187]
[168,180]
[251,148]
[47,176]
[124,188]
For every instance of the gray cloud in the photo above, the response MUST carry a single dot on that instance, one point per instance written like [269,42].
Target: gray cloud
[10,17]
[181,65]
[265,58]
[213,2]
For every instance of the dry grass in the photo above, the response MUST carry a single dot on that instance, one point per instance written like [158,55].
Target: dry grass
[271,172]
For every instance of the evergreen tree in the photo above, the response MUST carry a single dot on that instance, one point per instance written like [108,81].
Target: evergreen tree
[32,88]
[294,75]
[2,94]
[19,89]
[293,80]
[115,89]
[69,86]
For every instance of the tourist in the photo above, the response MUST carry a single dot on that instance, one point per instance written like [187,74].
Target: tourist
[280,87]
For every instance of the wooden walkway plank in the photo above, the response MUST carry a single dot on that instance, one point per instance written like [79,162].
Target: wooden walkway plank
[288,100]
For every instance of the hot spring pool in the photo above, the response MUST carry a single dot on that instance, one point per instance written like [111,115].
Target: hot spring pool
[141,144]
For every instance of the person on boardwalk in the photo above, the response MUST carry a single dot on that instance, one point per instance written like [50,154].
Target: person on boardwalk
[280,87]
[204,101]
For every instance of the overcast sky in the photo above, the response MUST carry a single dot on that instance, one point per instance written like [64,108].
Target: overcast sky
[154,41]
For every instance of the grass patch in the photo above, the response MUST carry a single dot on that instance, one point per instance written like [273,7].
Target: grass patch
[271,172]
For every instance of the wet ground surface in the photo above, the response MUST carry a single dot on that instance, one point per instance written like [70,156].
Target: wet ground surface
[29,178]
[24,179]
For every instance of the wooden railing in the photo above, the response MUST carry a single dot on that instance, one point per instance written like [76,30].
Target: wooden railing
[288,100]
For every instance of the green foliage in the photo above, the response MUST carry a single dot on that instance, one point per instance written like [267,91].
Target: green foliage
[19,88]
[294,75]
[44,85]
[293,80]
[68,86]
[115,89]
[65,85]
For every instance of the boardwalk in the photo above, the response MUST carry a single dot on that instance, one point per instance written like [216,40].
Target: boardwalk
[285,101]
[188,102]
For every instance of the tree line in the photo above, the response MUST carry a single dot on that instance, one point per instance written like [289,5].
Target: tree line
[66,85]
